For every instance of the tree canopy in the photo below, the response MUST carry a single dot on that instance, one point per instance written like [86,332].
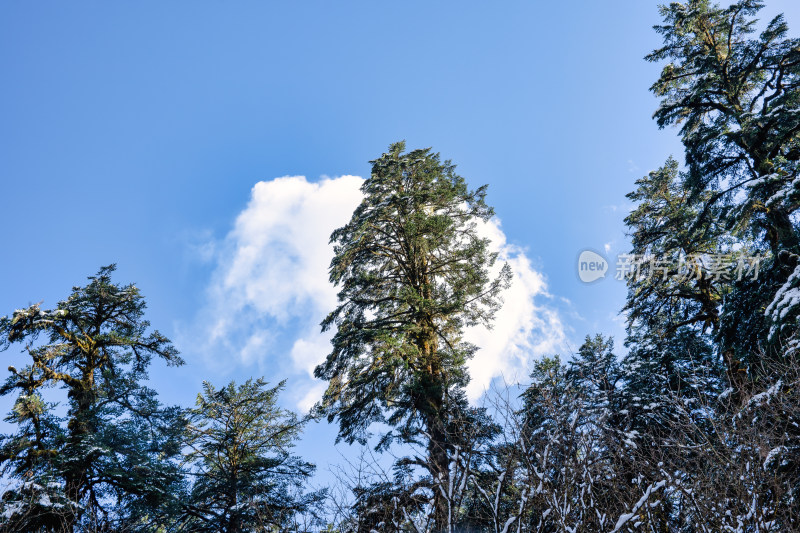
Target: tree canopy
[413,271]
[245,477]
[108,460]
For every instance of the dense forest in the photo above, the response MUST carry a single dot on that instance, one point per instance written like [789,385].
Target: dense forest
[694,427]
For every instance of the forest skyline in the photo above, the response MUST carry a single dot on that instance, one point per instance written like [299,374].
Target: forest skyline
[220,176]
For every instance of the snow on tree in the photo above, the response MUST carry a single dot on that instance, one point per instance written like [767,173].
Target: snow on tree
[108,461]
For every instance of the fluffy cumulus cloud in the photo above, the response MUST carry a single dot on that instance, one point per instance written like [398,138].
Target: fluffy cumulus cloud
[270,290]
[524,328]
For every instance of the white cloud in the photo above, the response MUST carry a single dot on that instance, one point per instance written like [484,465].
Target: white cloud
[271,277]
[523,328]
[281,251]
[271,282]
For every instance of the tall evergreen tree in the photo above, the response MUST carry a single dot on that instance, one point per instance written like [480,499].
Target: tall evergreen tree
[735,95]
[107,463]
[667,291]
[245,477]
[412,271]
[673,303]
[736,98]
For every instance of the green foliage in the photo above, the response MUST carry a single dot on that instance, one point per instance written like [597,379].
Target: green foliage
[413,271]
[692,333]
[668,293]
[695,428]
[245,477]
[735,97]
[108,461]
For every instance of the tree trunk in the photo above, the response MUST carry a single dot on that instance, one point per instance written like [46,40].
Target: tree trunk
[433,407]
[75,476]
[781,233]
[439,464]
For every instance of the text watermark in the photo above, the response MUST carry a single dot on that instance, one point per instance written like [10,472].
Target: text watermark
[593,266]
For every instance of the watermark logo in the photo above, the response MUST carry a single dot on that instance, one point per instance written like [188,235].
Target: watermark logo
[725,267]
[685,268]
[591,266]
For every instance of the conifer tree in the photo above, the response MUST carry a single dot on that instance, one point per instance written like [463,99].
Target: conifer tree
[735,95]
[107,462]
[673,303]
[735,98]
[245,477]
[568,445]
[413,272]
[666,291]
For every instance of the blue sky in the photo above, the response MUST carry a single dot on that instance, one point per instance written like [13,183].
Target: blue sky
[135,133]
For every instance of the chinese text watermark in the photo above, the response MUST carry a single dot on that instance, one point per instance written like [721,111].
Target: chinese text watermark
[641,267]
